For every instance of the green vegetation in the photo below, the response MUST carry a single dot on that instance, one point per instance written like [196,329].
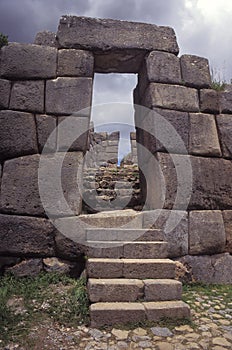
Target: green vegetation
[3,40]
[28,303]
[218,80]
[25,301]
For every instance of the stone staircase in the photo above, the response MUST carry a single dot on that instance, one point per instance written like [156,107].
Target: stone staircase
[111,188]
[130,278]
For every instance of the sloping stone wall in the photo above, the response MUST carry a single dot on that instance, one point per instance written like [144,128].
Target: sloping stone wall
[44,83]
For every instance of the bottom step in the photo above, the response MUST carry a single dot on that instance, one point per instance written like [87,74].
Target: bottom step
[120,313]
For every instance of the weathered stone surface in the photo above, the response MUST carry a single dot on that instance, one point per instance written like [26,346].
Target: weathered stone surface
[195,71]
[22,173]
[171,97]
[104,268]
[206,232]
[159,67]
[210,269]
[111,290]
[224,123]
[68,95]
[158,131]
[45,125]
[5,87]
[175,232]
[227,217]
[26,236]
[148,268]
[211,188]
[26,61]
[26,268]
[118,61]
[160,290]
[226,99]
[108,34]
[74,129]
[209,101]
[28,96]
[116,313]
[67,248]
[46,38]
[145,250]
[104,250]
[203,136]
[155,311]
[17,134]
[75,63]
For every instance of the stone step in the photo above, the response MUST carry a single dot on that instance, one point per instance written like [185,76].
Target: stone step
[124,234]
[130,268]
[102,314]
[116,219]
[130,290]
[128,250]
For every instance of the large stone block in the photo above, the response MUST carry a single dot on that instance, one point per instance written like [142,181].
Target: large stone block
[75,63]
[17,134]
[224,123]
[29,186]
[159,67]
[164,130]
[226,99]
[107,34]
[26,61]
[195,71]
[74,129]
[68,95]
[5,87]
[174,226]
[209,101]
[208,184]
[227,217]
[45,125]
[28,96]
[203,137]
[46,38]
[26,236]
[171,97]
[210,269]
[206,232]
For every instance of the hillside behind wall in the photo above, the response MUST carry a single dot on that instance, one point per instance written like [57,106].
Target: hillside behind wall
[40,85]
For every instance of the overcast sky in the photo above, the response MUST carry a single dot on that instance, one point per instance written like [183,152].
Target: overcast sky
[203,27]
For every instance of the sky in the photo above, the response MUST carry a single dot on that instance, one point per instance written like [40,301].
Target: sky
[203,28]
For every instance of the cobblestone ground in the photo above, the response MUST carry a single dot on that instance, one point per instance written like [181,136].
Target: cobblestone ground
[210,328]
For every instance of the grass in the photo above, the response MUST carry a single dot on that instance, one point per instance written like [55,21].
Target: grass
[218,85]
[25,301]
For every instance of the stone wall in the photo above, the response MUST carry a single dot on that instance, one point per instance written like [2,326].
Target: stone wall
[184,129]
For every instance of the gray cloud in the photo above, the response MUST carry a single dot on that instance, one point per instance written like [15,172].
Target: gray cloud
[203,27]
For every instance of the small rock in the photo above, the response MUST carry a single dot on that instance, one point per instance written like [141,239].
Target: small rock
[221,342]
[140,331]
[145,344]
[120,334]
[161,332]
[184,328]
[95,333]
[164,346]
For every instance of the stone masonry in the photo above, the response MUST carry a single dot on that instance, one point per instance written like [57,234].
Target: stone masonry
[184,128]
